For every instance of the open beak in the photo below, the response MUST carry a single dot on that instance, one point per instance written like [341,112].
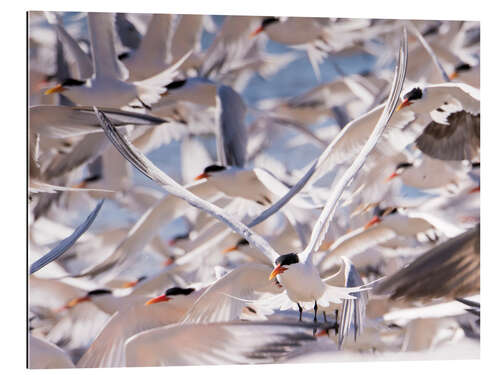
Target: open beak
[57,88]
[168,261]
[404,103]
[372,222]
[394,175]
[256,32]
[201,176]
[279,269]
[229,249]
[162,298]
[73,303]
[453,75]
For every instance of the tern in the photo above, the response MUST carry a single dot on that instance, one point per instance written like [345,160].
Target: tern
[296,272]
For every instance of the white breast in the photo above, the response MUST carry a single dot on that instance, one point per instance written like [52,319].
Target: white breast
[302,282]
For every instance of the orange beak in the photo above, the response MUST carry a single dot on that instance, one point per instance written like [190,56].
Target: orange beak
[321,333]
[394,175]
[229,249]
[81,185]
[73,303]
[130,284]
[453,75]
[168,261]
[404,103]
[372,222]
[57,88]
[162,298]
[256,32]
[201,176]
[279,269]
[475,190]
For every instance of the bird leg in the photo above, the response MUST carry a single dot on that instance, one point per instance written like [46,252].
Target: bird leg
[300,312]
[315,316]
[336,325]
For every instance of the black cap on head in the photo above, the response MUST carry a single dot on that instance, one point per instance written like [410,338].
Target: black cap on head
[98,292]
[72,82]
[268,21]
[176,84]
[175,291]
[414,94]
[404,164]
[287,259]
[123,55]
[214,168]
[462,67]
[242,242]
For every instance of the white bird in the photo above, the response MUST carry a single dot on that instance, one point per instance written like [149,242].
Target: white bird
[108,86]
[301,278]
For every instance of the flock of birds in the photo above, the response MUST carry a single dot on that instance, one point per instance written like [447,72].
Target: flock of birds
[368,248]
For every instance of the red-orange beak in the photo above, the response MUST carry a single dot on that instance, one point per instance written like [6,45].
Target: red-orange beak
[57,88]
[256,31]
[323,332]
[475,190]
[168,261]
[374,220]
[404,103]
[73,303]
[453,75]
[394,175]
[279,269]
[162,298]
[229,249]
[201,176]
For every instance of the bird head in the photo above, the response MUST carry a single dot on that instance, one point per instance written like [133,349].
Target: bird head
[379,214]
[400,168]
[410,97]
[460,68]
[169,294]
[93,294]
[131,284]
[210,170]
[264,24]
[281,262]
[64,85]
[239,244]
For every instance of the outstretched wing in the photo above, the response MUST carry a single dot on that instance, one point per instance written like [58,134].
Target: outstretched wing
[459,140]
[217,343]
[224,300]
[66,244]
[450,270]
[322,224]
[145,166]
